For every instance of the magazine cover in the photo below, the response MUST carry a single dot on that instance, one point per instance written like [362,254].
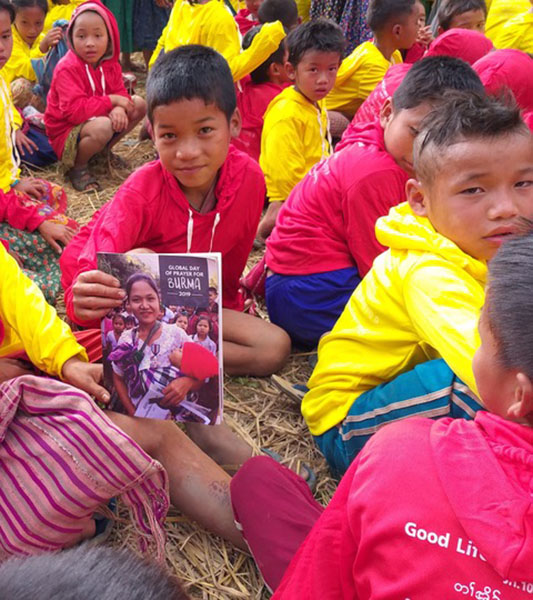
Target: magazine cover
[163,346]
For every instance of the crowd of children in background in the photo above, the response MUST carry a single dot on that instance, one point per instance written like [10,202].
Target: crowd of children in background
[388,187]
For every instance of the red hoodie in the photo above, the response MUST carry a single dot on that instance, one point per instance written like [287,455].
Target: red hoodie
[80,91]
[150,210]
[253,100]
[438,510]
[371,108]
[465,44]
[508,70]
[328,221]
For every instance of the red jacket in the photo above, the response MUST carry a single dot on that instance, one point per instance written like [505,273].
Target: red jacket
[80,91]
[19,215]
[150,210]
[244,21]
[371,108]
[252,101]
[328,221]
[438,510]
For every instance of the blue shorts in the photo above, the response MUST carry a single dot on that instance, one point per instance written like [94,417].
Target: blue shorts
[430,390]
[307,306]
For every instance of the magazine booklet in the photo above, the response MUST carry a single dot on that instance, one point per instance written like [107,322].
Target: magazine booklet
[163,347]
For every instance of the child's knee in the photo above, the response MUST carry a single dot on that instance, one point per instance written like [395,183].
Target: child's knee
[100,130]
[139,111]
[274,351]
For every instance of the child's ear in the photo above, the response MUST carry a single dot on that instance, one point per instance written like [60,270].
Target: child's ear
[397,30]
[386,113]
[235,123]
[416,197]
[440,30]
[522,406]
[290,70]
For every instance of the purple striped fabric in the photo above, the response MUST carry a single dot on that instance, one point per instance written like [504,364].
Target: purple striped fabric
[61,460]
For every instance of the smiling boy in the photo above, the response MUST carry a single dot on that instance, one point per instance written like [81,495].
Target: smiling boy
[296,127]
[405,341]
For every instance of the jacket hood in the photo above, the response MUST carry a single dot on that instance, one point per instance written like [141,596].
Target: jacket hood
[508,69]
[401,229]
[494,504]
[468,45]
[113,50]
[295,96]
[368,134]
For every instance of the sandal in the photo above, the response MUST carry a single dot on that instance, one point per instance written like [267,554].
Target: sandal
[306,472]
[82,180]
[294,392]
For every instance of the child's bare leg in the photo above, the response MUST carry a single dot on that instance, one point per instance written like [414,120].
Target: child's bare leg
[147,55]
[94,137]
[252,346]
[198,486]
[269,220]
[220,442]
[139,112]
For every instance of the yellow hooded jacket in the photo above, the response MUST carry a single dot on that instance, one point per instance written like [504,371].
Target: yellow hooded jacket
[10,121]
[357,76]
[502,11]
[60,11]
[420,301]
[516,33]
[295,137]
[211,25]
[30,324]
[19,63]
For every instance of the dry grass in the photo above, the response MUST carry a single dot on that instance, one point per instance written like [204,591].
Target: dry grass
[209,567]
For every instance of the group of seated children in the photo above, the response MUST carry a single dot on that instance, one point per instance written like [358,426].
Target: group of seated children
[378,250]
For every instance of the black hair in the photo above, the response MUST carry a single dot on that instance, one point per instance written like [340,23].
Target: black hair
[8,7]
[285,11]
[260,74]
[18,4]
[129,319]
[428,78]
[322,35]
[84,573]
[119,315]
[509,303]
[381,12]
[212,289]
[191,72]
[453,8]
[460,116]
[135,278]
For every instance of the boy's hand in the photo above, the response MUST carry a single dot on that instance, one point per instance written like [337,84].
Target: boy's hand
[122,101]
[425,36]
[176,391]
[94,294]
[24,144]
[11,367]
[51,39]
[56,232]
[119,119]
[32,187]
[86,377]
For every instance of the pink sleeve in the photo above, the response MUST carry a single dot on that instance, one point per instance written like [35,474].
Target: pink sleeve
[75,104]
[17,215]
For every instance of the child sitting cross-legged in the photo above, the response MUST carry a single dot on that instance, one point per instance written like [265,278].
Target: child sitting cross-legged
[296,126]
[430,508]
[88,108]
[324,241]
[404,344]
[395,25]
[201,195]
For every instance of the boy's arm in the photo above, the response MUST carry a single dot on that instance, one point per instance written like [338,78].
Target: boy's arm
[18,65]
[444,303]
[74,103]
[282,158]
[265,43]
[363,204]
[47,340]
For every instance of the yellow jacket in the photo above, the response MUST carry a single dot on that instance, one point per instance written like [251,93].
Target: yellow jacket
[19,63]
[502,11]
[60,11]
[211,25]
[516,33]
[295,137]
[10,121]
[30,324]
[358,75]
[421,300]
